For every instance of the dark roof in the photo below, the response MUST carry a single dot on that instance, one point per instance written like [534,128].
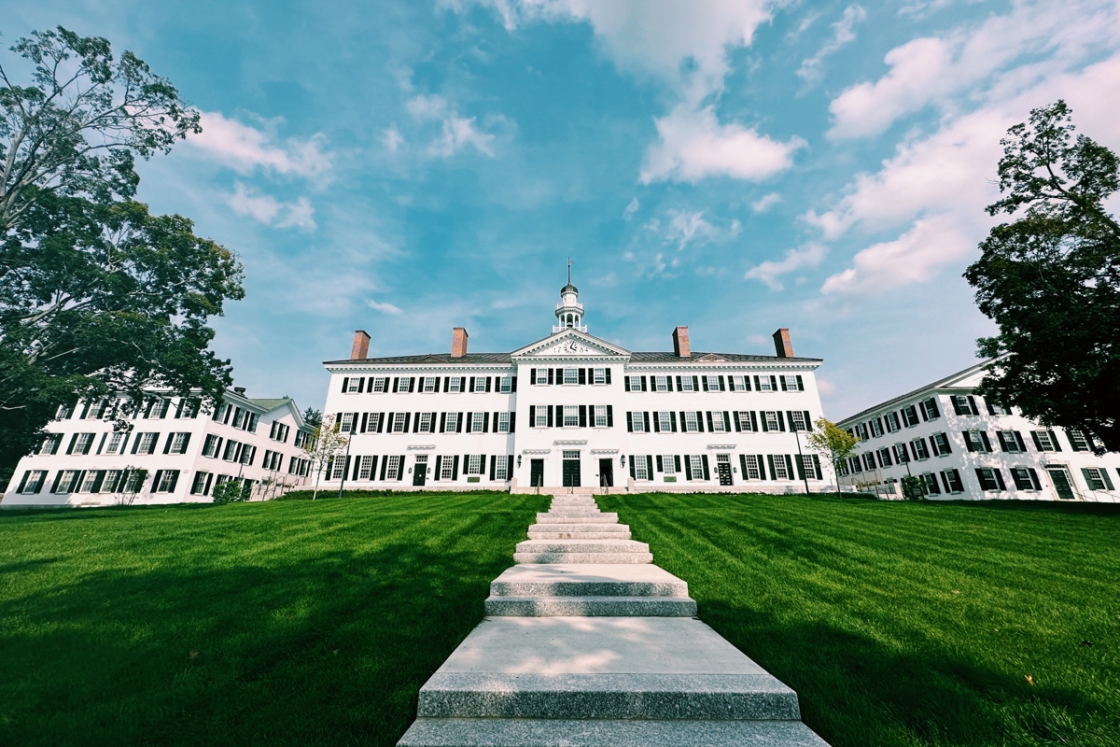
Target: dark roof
[666,357]
[567,287]
[939,384]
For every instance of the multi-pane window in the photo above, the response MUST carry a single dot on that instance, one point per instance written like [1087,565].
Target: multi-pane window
[770,417]
[1010,441]
[1096,479]
[159,409]
[425,425]
[738,383]
[745,420]
[33,481]
[451,424]
[571,376]
[884,456]
[64,483]
[952,481]
[540,416]
[502,426]
[861,431]
[167,480]
[278,432]
[713,383]
[940,444]
[1045,440]
[501,466]
[210,445]
[178,443]
[455,384]
[145,443]
[1025,478]
[964,405]
[346,423]
[998,409]
[929,409]
[232,451]
[542,375]
[792,384]
[718,424]
[641,468]
[687,384]
[365,468]
[930,481]
[765,384]
[990,479]
[50,443]
[405,384]
[480,383]
[82,443]
[977,441]
[600,416]
[918,445]
[635,383]
[696,464]
[399,422]
[353,384]
[571,415]
[900,454]
[393,467]
[506,385]
[669,464]
[754,468]
[64,411]
[198,485]
[893,424]
[477,422]
[474,464]
[664,422]
[780,471]
[446,468]
[661,383]
[1078,440]
[637,422]
[89,481]
[869,461]
[876,427]
[691,422]
[809,467]
[797,421]
[338,469]
[431,384]
[909,415]
[599,376]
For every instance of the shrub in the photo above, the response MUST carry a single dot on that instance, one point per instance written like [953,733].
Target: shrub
[229,492]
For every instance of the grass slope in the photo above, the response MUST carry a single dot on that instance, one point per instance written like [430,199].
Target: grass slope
[909,623]
[278,623]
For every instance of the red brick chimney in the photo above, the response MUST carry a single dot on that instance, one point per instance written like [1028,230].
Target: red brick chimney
[458,342]
[782,345]
[680,343]
[360,348]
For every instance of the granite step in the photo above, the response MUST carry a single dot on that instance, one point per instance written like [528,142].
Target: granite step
[611,518]
[580,558]
[579,526]
[588,580]
[578,546]
[590,606]
[588,534]
[455,732]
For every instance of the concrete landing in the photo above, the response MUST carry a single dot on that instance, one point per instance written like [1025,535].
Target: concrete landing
[593,580]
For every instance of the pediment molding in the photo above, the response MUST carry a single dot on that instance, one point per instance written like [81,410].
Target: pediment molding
[568,344]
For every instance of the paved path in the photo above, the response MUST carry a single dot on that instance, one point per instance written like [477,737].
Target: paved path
[586,643]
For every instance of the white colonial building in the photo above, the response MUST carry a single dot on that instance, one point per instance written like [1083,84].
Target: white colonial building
[573,410]
[962,446]
[169,451]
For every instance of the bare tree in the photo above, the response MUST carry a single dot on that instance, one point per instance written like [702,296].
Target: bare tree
[326,442]
[833,443]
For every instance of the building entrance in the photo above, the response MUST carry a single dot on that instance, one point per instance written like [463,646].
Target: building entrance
[1062,484]
[571,469]
[606,473]
[420,471]
[536,473]
[723,469]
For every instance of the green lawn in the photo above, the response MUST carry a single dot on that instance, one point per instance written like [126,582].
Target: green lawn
[271,623]
[910,623]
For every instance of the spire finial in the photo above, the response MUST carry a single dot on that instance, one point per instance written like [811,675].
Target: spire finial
[569,270]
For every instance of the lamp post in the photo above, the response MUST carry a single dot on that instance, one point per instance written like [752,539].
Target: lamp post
[804,473]
[346,465]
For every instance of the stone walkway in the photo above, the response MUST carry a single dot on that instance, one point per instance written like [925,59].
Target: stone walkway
[586,643]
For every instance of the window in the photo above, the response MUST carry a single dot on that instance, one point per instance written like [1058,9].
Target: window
[940,444]
[855,465]
[33,481]
[346,422]
[399,421]
[353,384]
[50,443]
[446,468]
[797,421]
[637,421]
[90,480]
[211,445]
[506,385]
[977,441]
[918,445]
[431,384]
[753,467]
[951,478]
[502,425]
[997,409]
[64,411]
[661,383]
[178,443]
[780,471]
[338,468]
[641,467]
[159,409]
[380,385]
[231,451]
[542,375]
[764,383]
[115,443]
[664,422]
[540,416]
[901,456]
[81,443]
[1045,440]
[691,422]
[248,453]
[404,384]
[599,376]
[1011,442]
[1025,478]
[600,416]
[64,483]
[501,467]
[394,466]
[480,383]
[909,416]
[861,431]
[198,485]
[571,376]
[474,464]
[1078,440]
[893,424]
[279,432]
[928,409]
[792,384]
[696,465]
[687,384]
[365,468]
[930,481]
[990,479]
[739,384]
[145,443]
[876,427]
[714,384]
[718,423]
[478,422]
[571,416]
[635,383]
[745,421]
[869,461]
[132,481]
[669,464]
[451,425]
[1096,479]
[770,418]
[884,456]
[808,467]
[964,405]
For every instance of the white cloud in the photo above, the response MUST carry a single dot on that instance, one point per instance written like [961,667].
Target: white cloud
[768,272]
[456,133]
[270,211]
[244,148]
[693,145]
[1054,37]
[825,387]
[630,209]
[766,202]
[382,306]
[392,139]
[684,227]
[427,107]
[843,32]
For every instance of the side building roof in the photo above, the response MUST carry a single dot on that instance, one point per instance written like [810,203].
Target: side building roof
[945,383]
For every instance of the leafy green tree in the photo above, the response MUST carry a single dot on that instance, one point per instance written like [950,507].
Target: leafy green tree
[230,491]
[313,417]
[97,295]
[1051,280]
[833,443]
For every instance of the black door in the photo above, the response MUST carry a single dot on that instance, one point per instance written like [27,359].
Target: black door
[723,469]
[536,473]
[1061,483]
[420,472]
[571,473]
[606,473]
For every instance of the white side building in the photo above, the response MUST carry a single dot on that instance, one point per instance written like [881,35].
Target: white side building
[572,410]
[964,447]
[169,452]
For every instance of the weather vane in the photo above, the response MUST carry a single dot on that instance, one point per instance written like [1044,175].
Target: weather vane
[570,260]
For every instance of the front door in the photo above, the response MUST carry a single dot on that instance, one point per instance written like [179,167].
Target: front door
[536,473]
[420,471]
[571,473]
[723,469]
[1062,485]
[606,473]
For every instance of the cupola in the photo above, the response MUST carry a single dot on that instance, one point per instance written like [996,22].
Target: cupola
[569,312]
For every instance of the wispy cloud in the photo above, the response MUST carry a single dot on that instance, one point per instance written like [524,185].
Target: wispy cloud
[245,149]
[843,33]
[766,202]
[383,306]
[630,209]
[456,132]
[270,211]
[768,272]
[392,139]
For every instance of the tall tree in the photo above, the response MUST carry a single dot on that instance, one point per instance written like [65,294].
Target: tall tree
[96,294]
[834,444]
[1051,280]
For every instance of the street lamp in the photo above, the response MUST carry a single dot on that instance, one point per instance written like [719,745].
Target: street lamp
[346,463]
[804,474]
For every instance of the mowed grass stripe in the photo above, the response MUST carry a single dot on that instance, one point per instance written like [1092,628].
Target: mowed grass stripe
[909,624]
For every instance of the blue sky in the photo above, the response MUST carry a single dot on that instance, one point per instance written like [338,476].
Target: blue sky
[407,167]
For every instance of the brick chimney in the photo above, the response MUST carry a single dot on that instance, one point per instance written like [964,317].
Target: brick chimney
[360,348]
[782,345]
[458,342]
[680,343]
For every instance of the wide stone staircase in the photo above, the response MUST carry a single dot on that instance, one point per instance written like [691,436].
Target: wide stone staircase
[586,643]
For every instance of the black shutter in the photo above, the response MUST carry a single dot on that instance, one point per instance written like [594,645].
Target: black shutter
[345,383]
[789,464]
[583,376]
[711,427]
[630,422]
[656,423]
[488,378]
[442,422]
[625,382]
[987,443]
[632,458]
[532,376]
[673,421]
[1054,440]
[455,468]
[704,459]
[396,381]
[1037,443]
[783,382]
[446,383]
[757,386]
[509,466]
[549,407]
[770,461]
[512,427]
[817,467]
[493,466]
[695,384]
[1034,478]
[486,422]
[800,467]
[532,416]
[1002,441]
[361,383]
[513,384]
[582,415]
[610,416]
[677,463]
[380,422]
[704,383]
[559,376]
[459,423]
[645,419]
[660,464]
[649,465]
[400,473]
[550,376]
[407,415]
[999,478]
[800,386]
[439,461]
[607,372]
[644,383]
[972,408]
[365,422]
[738,425]
[687,468]
[781,421]
[470,384]
[773,383]
[754,421]
[1019,441]
[743,465]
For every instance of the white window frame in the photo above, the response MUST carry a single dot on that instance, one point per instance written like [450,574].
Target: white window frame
[147,443]
[745,420]
[540,416]
[687,384]
[797,421]
[791,382]
[447,468]
[571,376]
[918,446]
[88,479]
[500,468]
[506,384]
[664,421]
[635,383]
[502,426]
[600,416]
[738,383]
[810,467]
[1078,440]
[479,384]
[426,422]
[765,384]
[637,422]
[474,464]
[1045,441]
[83,444]
[754,468]
[660,383]
[1093,479]
[431,384]
[780,471]
[34,482]
[166,481]
[477,422]
[178,443]
[713,382]
[668,464]
[599,376]
[353,384]
[455,384]
[542,376]
[394,468]
[691,422]
[398,422]
[718,424]
[641,468]
[571,412]
[770,417]
[403,384]
[697,464]
[346,423]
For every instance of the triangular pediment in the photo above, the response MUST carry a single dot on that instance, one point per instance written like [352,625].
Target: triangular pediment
[569,343]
